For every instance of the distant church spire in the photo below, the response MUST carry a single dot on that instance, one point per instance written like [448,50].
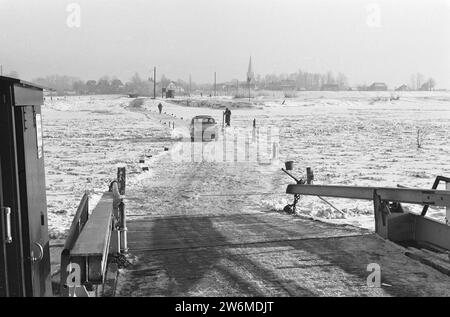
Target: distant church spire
[250,74]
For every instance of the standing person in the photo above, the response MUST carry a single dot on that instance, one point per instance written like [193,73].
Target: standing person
[227,116]
[160,108]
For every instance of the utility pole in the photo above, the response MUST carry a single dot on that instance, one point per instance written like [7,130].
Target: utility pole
[154,82]
[250,76]
[215,84]
[190,84]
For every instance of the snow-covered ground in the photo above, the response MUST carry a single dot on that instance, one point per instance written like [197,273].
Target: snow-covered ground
[351,138]
[85,138]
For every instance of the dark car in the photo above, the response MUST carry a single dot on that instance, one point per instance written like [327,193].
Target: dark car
[203,128]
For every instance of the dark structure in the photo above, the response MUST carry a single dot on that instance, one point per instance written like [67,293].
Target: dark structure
[170,93]
[329,87]
[402,88]
[24,240]
[170,90]
[285,85]
[377,87]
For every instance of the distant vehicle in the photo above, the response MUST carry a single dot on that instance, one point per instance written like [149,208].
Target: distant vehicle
[203,128]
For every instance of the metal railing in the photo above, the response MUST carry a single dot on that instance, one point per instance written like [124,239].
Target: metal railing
[92,265]
[391,221]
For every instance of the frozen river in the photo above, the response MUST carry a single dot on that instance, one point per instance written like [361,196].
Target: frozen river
[348,138]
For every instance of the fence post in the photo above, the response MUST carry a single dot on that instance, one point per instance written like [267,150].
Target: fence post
[123,229]
[115,231]
[121,177]
[309,175]
[121,180]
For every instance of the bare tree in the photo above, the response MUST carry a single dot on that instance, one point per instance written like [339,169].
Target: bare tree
[342,80]
[420,137]
[431,83]
[330,78]
[413,82]
[419,80]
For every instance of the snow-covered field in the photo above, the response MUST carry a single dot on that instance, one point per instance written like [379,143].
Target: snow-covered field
[85,138]
[351,138]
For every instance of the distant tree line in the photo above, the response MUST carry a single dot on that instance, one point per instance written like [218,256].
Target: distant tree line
[300,80]
[419,82]
[106,85]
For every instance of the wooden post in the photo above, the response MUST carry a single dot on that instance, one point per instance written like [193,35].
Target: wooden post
[115,233]
[121,175]
[309,175]
[121,181]
[123,229]
[381,211]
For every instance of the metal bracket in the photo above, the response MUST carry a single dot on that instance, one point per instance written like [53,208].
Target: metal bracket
[291,208]
[41,253]
[8,231]
[435,186]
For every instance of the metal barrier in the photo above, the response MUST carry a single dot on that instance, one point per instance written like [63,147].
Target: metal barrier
[391,222]
[92,238]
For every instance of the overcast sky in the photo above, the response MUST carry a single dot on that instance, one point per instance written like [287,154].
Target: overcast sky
[369,41]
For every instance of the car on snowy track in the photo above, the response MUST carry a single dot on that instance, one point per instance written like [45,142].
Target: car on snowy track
[203,128]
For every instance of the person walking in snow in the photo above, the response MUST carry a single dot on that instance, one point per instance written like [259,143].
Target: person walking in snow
[160,108]
[227,114]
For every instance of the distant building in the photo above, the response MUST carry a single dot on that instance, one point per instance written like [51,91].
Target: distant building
[402,88]
[285,85]
[329,87]
[288,84]
[377,87]
[170,90]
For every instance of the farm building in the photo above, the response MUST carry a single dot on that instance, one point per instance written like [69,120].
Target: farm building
[377,87]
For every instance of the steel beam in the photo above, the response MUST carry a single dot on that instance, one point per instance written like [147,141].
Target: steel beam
[402,195]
